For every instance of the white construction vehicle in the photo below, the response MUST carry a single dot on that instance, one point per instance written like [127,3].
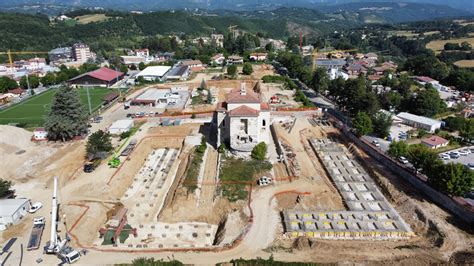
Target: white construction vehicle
[55,245]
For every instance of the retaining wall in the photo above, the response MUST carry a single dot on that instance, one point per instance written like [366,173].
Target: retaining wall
[464,213]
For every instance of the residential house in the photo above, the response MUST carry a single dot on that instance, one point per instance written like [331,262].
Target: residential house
[235,60]
[217,39]
[258,56]
[218,59]
[435,142]
[164,56]
[356,69]
[371,56]
[194,65]
[142,52]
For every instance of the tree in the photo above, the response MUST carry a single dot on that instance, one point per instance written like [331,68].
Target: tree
[467,131]
[232,70]
[67,117]
[5,188]
[7,83]
[259,151]
[424,65]
[32,80]
[123,69]
[397,149]
[454,179]
[203,146]
[320,81]
[247,69]
[362,123]
[382,122]
[97,143]
[427,103]
[422,158]
[48,79]
[269,47]
[141,66]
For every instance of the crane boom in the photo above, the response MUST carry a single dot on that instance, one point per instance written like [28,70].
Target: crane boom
[10,53]
[54,216]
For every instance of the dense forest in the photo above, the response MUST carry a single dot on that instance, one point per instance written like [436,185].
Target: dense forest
[36,32]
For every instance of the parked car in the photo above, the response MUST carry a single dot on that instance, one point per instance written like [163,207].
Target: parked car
[444,157]
[402,160]
[470,166]
[35,207]
[376,143]
[39,220]
[464,152]
[454,155]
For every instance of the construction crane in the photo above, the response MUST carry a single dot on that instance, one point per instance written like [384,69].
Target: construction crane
[232,29]
[10,53]
[316,52]
[55,245]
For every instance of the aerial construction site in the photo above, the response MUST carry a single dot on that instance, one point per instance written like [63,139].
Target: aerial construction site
[186,186]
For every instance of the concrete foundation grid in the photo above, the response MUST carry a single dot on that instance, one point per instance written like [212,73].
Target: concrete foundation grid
[369,214]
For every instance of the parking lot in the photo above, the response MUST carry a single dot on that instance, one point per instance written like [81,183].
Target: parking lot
[398,129]
[463,159]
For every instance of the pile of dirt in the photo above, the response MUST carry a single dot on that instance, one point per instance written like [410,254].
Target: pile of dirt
[302,243]
[13,139]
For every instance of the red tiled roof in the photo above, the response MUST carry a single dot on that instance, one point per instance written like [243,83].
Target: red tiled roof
[425,79]
[105,74]
[434,140]
[264,106]
[236,97]
[243,111]
[17,91]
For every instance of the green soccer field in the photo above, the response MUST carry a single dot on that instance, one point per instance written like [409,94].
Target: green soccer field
[33,111]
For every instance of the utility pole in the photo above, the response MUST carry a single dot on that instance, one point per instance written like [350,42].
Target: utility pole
[28,84]
[89,100]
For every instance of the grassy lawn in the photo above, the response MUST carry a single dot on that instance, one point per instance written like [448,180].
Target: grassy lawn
[241,172]
[91,18]
[438,45]
[464,63]
[33,111]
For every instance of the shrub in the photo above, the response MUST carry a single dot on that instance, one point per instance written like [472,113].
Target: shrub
[259,151]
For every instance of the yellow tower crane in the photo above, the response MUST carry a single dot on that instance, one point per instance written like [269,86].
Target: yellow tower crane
[10,53]
[337,54]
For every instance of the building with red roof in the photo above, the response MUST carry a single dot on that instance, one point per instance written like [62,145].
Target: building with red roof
[103,77]
[435,142]
[243,120]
